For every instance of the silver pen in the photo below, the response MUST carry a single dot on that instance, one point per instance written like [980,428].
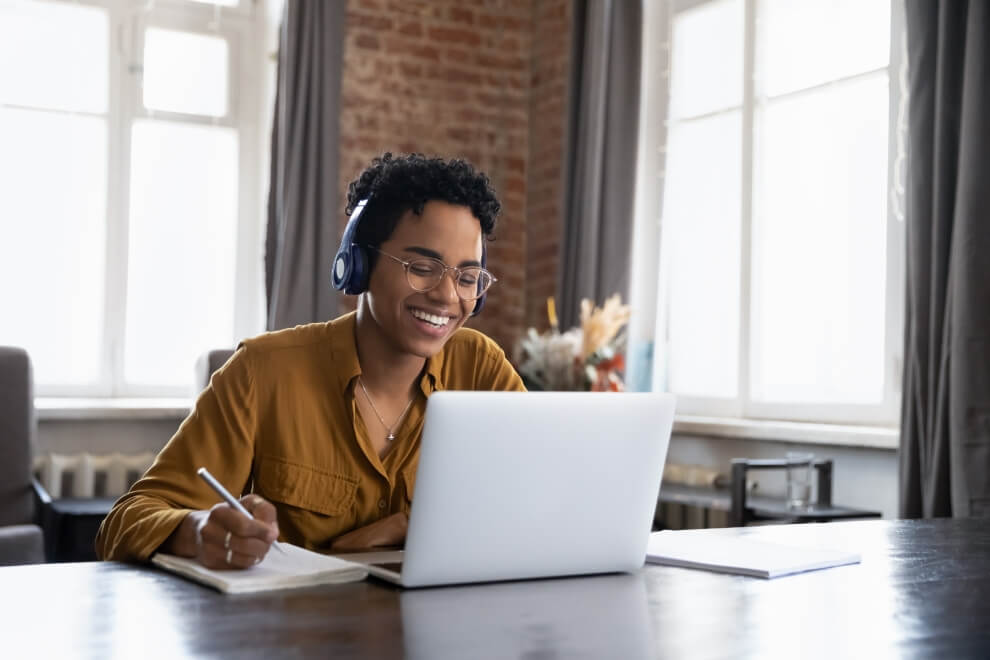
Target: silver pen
[229,499]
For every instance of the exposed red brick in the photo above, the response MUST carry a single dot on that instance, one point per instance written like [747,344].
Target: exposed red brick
[367,41]
[452,74]
[368,21]
[454,36]
[513,23]
[410,69]
[481,79]
[405,47]
[411,29]
[421,9]
[457,55]
[461,15]
[501,62]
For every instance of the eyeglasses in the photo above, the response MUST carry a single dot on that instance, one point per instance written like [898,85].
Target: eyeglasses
[426,274]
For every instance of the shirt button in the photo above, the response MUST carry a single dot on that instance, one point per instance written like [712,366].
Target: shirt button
[381,504]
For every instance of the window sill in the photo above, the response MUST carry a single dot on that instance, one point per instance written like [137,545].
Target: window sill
[874,437]
[77,409]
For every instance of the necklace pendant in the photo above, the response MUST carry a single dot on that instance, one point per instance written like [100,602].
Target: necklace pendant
[391,437]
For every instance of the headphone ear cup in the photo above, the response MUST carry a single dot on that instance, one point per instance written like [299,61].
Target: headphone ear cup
[350,266]
[484,264]
[341,270]
[358,281]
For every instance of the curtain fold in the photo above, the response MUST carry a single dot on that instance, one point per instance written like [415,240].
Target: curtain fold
[945,417]
[302,233]
[601,154]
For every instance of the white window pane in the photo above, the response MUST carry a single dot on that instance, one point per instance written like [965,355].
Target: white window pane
[185,72]
[53,182]
[707,59]
[219,3]
[806,43]
[183,239]
[819,239]
[54,55]
[701,225]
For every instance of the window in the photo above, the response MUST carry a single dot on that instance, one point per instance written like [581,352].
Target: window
[130,211]
[780,287]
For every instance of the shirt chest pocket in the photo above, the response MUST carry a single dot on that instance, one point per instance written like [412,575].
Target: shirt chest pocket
[304,487]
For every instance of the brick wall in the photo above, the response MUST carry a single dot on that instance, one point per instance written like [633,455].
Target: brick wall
[483,80]
[548,126]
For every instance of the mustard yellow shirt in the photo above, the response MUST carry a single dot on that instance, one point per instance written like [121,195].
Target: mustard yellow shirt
[279,419]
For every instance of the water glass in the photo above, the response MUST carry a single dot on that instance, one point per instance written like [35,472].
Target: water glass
[800,466]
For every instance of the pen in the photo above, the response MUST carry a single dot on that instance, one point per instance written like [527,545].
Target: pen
[228,498]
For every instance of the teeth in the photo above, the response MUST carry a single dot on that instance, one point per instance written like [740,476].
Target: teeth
[431,318]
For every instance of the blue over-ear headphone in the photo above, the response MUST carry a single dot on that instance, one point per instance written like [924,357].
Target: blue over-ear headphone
[350,266]
[350,270]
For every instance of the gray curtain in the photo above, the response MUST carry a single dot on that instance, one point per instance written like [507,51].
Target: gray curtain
[945,421]
[303,232]
[601,154]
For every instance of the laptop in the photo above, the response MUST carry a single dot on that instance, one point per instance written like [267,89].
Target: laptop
[520,485]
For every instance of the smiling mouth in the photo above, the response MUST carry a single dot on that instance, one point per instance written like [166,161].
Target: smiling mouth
[433,319]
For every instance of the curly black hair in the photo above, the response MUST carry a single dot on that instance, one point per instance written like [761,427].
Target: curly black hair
[396,184]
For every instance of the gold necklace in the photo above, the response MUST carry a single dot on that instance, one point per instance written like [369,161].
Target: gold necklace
[391,435]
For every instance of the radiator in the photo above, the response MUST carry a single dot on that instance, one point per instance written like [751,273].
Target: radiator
[675,515]
[90,475]
[687,515]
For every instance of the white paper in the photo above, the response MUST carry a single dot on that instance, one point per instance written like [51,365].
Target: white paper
[740,555]
[297,567]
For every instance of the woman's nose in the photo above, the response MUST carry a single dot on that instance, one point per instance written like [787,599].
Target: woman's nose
[447,288]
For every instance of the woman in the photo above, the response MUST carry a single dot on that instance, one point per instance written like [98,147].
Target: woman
[320,424]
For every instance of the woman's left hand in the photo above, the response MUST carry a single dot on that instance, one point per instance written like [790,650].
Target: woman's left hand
[390,531]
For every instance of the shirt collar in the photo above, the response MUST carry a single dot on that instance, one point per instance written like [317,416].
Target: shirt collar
[346,358]
[432,380]
[345,349]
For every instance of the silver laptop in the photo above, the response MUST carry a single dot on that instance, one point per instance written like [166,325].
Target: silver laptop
[517,485]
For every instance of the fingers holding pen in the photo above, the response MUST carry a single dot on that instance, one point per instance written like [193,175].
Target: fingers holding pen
[227,539]
[263,512]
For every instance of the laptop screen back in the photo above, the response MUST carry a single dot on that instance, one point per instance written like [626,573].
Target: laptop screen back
[522,485]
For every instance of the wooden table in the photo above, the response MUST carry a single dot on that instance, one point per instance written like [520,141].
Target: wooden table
[921,591]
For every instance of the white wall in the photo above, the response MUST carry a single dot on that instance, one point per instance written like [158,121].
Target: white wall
[131,436]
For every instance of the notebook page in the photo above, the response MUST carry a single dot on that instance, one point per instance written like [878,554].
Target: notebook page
[297,567]
[740,555]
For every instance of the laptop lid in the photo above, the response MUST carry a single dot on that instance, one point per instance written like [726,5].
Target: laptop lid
[514,485]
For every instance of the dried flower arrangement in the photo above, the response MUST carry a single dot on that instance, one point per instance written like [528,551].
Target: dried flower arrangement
[591,357]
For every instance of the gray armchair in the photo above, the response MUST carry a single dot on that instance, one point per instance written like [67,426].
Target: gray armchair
[21,541]
[208,363]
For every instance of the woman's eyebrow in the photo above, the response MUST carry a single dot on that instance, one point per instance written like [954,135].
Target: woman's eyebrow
[433,254]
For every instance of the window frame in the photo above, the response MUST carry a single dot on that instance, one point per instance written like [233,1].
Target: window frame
[658,26]
[241,26]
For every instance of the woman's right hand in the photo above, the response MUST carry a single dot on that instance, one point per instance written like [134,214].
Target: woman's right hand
[224,538]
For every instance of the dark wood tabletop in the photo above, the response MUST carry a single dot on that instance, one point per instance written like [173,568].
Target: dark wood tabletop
[922,590]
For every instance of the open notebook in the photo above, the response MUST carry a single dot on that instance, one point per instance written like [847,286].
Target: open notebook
[298,567]
[739,555]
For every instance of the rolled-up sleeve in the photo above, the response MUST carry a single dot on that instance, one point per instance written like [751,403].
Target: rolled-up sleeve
[219,434]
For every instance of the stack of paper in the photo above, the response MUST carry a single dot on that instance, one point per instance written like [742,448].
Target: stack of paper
[740,555]
[297,567]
